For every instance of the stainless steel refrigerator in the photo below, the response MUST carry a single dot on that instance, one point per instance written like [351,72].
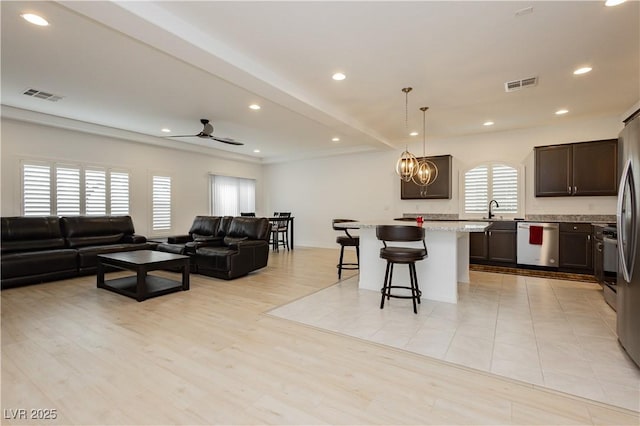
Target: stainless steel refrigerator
[628,216]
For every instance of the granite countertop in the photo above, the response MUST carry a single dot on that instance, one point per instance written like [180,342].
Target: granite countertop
[449,226]
[577,218]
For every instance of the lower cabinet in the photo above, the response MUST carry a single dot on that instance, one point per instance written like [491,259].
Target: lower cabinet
[576,247]
[497,245]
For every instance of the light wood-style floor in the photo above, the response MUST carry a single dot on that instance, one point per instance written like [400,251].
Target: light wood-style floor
[212,356]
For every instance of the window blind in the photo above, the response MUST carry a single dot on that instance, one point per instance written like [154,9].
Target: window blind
[119,187]
[476,190]
[491,182]
[36,190]
[95,192]
[231,196]
[161,203]
[67,191]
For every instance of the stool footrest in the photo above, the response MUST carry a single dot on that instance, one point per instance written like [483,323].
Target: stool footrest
[399,296]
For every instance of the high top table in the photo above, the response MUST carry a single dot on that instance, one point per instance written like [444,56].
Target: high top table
[438,274]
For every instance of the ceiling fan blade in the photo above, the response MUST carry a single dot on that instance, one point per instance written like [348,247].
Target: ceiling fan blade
[226,140]
[183,136]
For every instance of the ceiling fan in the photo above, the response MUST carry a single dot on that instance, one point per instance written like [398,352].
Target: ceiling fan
[206,133]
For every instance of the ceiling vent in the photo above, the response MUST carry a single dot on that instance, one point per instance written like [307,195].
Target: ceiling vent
[42,95]
[512,86]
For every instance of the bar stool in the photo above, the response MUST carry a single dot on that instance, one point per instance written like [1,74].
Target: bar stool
[347,240]
[280,230]
[402,255]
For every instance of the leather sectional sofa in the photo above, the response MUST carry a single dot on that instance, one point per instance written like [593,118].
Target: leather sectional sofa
[39,249]
[224,247]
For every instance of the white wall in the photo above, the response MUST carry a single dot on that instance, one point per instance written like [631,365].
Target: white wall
[359,186]
[189,170]
[364,186]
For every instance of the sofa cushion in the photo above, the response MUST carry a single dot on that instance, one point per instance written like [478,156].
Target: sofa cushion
[89,226]
[215,258]
[228,241]
[93,241]
[88,256]
[38,262]
[31,233]
[205,226]
[254,228]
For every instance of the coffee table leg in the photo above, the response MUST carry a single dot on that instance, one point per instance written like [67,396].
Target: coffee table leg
[141,285]
[185,276]
[100,275]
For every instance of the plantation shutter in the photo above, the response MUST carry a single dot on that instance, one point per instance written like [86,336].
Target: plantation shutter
[119,186]
[95,192]
[36,190]
[476,190]
[505,188]
[67,191]
[161,203]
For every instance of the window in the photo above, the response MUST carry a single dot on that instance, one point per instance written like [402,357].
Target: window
[36,190]
[95,192]
[71,190]
[161,203]
[488,182]
[231,196]
[119,185]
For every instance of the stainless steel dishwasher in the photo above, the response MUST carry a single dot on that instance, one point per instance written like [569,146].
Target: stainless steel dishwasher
[543,254]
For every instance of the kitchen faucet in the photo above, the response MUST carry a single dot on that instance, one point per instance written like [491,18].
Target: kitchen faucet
[490,203]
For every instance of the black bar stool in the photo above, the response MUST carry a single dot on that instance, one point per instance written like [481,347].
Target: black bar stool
[347,240]
[403,255]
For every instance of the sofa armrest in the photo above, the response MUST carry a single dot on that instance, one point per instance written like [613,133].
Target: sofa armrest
[247,244]
[134,239]
[179,239]
[204,242]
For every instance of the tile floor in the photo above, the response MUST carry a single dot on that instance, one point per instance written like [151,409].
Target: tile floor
[548,332]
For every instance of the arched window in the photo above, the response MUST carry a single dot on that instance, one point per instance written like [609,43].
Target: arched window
[491,181]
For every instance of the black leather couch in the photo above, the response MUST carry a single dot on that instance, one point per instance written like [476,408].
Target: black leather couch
[224,247]
[48,248]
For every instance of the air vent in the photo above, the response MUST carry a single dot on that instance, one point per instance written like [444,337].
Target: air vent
[512,86]
[42,95]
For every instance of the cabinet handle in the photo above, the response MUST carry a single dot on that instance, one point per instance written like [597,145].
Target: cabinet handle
[489,233]
[569,188]
[575,190]
[588,237]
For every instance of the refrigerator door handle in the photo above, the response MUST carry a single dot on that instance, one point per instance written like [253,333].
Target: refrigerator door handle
[626,262]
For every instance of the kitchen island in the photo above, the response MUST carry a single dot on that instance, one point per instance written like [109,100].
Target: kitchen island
[438,274]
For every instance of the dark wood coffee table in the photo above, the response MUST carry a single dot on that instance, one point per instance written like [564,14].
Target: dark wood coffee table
[142,286]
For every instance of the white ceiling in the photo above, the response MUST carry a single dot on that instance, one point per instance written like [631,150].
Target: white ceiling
[141,66]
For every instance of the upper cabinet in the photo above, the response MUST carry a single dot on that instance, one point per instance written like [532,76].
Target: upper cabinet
[586,168]
[440,189]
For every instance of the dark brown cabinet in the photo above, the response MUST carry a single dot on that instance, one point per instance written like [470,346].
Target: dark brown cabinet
[586,168]
[497,245]
[576,247]
[440,189]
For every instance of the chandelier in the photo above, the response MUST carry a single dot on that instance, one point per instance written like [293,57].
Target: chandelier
[407,165]
[427,171]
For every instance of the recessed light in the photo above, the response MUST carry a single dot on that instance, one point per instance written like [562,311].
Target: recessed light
[254,106]
[256,151]
[338,76]
[165,130]
[413,134]
[335,139]
[488,123]
[35,19]
[582,70]
[613,2]
[562,111]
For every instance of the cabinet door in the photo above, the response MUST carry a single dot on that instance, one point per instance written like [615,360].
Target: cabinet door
[477,246]
[440,189]
[553,171]
[502,246]
[595,168]
[576,251]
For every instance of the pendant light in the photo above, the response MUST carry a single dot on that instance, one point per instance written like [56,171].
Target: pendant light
[407,164]
[427,171]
